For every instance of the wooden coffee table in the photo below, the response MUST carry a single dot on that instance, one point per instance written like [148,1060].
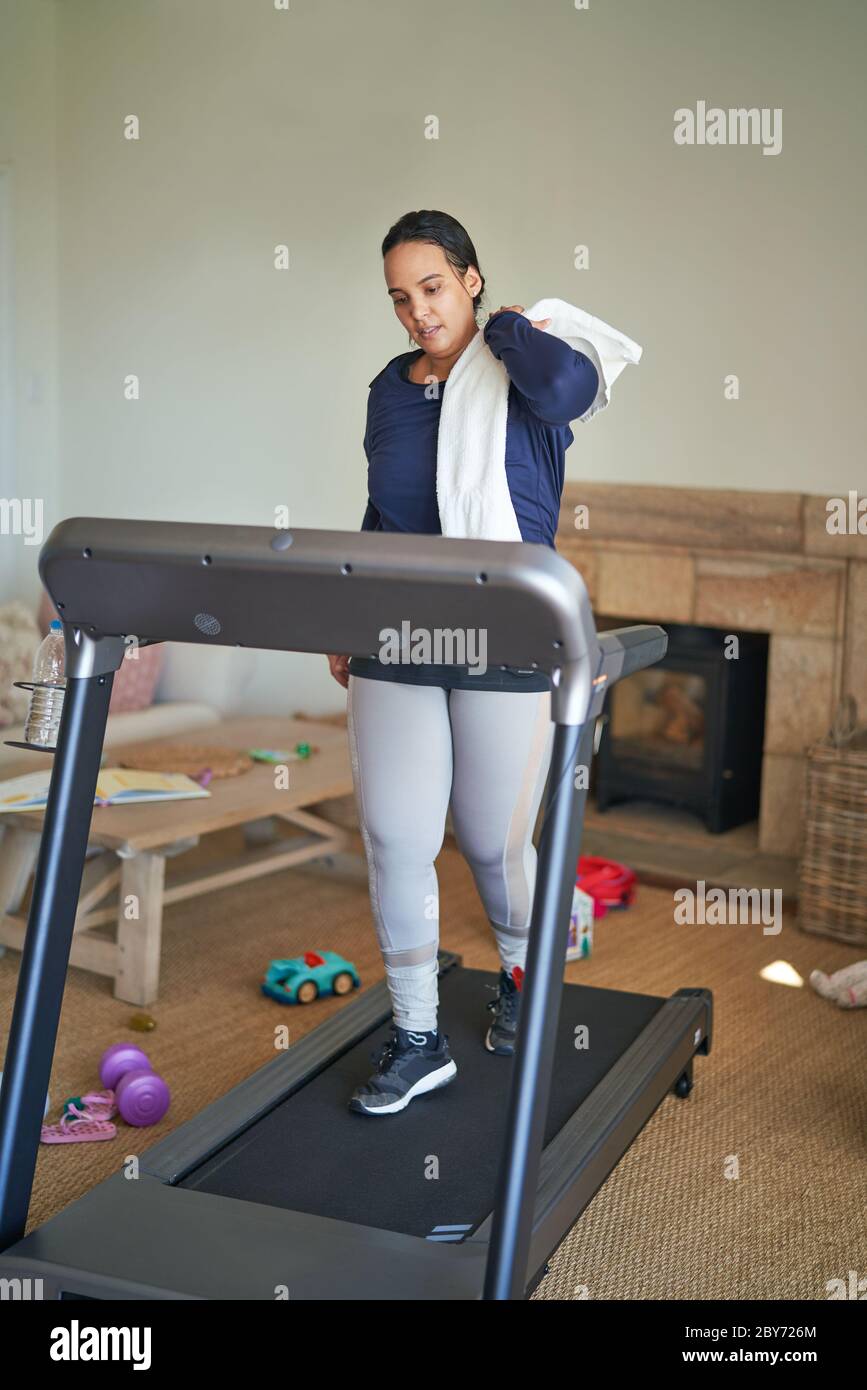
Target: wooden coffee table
[141,837]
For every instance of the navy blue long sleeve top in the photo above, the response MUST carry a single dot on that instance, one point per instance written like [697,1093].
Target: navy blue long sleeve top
[549,385]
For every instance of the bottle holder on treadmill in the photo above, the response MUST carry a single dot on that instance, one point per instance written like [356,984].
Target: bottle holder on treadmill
[34,747]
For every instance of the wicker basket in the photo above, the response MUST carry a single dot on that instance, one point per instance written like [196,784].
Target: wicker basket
[833,872]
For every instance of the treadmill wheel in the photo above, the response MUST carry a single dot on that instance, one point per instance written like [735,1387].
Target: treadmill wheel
[683,1086]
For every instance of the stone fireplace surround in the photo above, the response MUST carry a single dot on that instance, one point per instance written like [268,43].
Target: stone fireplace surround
[754,561]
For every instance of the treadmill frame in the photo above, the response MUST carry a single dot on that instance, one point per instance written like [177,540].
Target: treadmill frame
[536,610]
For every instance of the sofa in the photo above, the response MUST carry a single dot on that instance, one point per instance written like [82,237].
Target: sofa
[172,687]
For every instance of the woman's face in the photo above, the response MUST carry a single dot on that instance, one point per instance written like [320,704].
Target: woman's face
[427,292]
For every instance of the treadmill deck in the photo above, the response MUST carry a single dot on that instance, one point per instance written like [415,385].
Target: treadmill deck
[434,1164]
[278,1186]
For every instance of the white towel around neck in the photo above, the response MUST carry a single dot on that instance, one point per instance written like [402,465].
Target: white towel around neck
[472,488]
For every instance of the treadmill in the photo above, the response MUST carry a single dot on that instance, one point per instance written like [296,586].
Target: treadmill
[277,1190]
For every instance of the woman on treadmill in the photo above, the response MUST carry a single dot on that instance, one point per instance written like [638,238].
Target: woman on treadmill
[421,737]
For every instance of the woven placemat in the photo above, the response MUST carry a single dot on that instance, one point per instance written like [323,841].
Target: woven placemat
[191,758]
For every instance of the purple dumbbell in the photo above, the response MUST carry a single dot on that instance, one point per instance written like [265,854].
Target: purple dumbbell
[142,1097]
[120,1058]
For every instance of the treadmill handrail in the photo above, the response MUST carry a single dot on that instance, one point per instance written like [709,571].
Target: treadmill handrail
[624,650]
[641,645]
[309,590]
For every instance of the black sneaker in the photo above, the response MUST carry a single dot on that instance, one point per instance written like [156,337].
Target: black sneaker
[506,1009]
[408,1065]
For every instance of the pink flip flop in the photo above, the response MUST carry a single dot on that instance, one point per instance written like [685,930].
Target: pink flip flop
[78,1125]
[98,1104]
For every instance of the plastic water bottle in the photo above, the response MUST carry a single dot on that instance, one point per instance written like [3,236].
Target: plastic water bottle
[46,701]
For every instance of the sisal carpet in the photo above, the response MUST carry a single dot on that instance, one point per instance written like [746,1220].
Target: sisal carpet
[783,1093]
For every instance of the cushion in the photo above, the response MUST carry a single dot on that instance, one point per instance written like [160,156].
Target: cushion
[138,673]
[19,640]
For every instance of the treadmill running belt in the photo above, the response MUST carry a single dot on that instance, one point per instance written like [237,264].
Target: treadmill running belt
[435,1163]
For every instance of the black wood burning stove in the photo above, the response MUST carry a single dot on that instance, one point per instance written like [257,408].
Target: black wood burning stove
[689,731]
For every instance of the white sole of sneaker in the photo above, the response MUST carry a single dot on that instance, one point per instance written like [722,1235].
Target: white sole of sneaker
[432,1082]
[493,1049]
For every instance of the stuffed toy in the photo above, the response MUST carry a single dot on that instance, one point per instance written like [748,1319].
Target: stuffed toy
[848,987]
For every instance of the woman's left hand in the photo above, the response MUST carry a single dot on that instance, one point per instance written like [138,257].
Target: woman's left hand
[519,309]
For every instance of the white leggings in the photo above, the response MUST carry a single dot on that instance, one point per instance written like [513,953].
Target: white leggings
[415,748]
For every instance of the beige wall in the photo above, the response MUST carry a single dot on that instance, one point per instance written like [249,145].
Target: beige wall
[29,461]
[306,127]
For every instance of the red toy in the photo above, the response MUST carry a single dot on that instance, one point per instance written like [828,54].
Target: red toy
[608,883]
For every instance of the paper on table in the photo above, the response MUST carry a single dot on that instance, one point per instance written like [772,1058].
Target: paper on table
[115,786]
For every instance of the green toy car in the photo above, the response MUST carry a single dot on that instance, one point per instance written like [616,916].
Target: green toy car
[302,979]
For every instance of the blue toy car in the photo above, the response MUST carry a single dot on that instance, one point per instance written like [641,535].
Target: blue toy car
[304,978]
